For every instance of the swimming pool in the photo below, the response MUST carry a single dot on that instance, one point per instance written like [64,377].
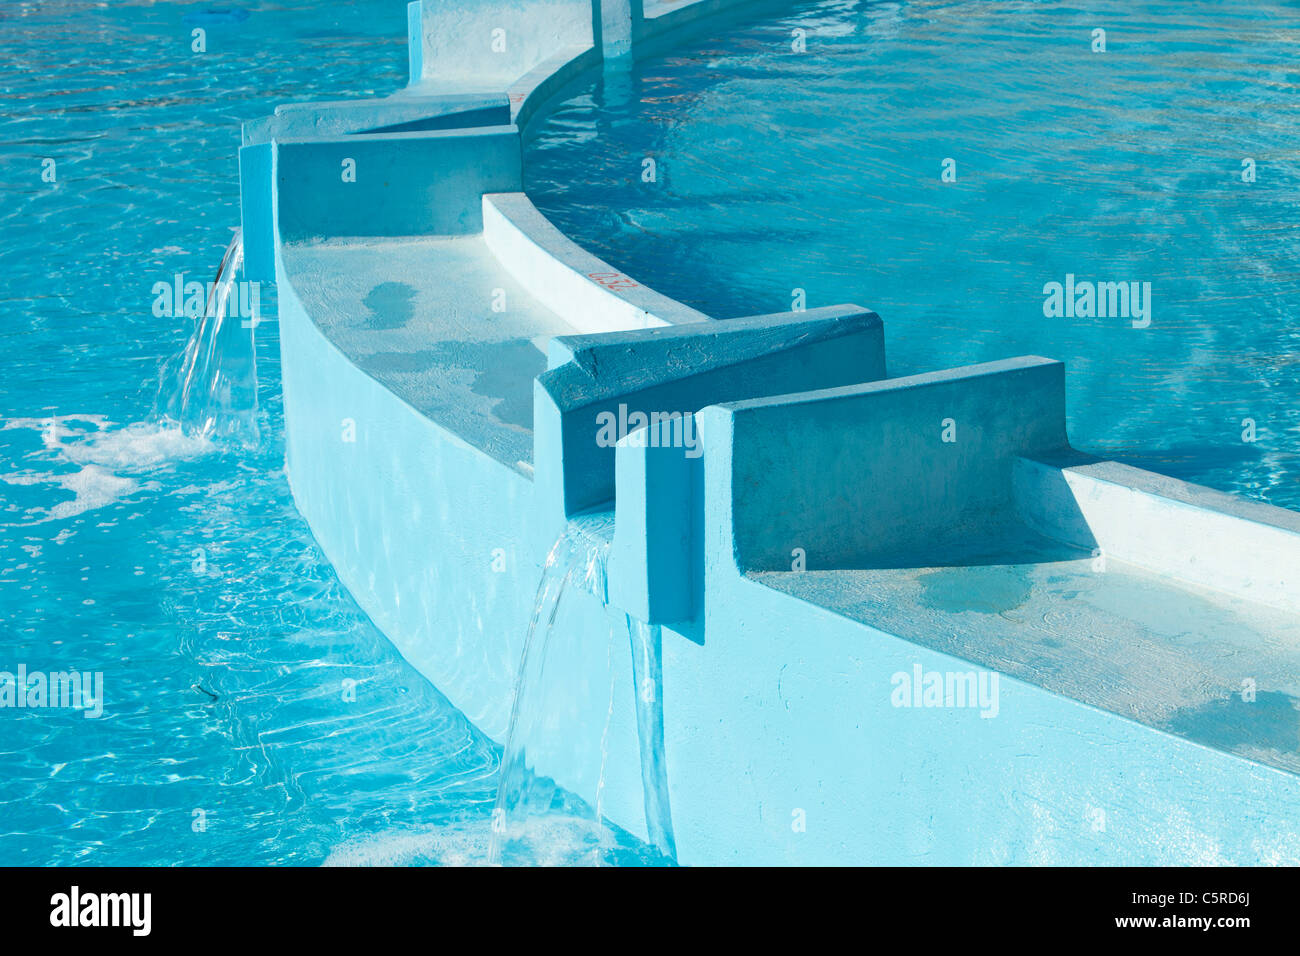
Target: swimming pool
[252,714]
[783,178]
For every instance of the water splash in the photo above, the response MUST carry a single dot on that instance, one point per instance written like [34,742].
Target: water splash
[101,464]
[551,840]
[210,389]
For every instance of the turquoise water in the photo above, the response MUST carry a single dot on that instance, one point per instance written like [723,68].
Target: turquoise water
[251,712]
[821,171]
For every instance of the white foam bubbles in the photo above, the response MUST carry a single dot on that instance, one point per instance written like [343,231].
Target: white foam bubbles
[109,461]
[545,840]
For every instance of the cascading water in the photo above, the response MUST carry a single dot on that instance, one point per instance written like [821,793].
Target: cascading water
[647,678]
[210,389]
[561,692]
[576,561]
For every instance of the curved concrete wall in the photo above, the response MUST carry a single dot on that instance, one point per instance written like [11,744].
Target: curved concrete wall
[783,737]
[491,43]
[592,295]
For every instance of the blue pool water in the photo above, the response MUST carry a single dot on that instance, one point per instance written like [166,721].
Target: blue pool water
[777,170]
[251,712]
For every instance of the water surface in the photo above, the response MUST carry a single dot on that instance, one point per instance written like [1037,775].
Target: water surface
[783,177]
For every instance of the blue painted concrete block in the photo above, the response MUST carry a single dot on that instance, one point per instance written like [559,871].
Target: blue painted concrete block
[256,211]
[888,469]
[654,563]
[393,184]
[677,370]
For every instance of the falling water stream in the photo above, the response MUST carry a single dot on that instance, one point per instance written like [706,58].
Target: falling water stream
[210,389]
[647,678]
[576,561]
[553,701]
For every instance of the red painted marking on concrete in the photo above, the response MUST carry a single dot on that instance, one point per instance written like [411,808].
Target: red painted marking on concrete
[614,281]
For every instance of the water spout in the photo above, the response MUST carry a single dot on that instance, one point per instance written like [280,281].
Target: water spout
[210,389]
[647,676]
[576,561]
[564,703]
